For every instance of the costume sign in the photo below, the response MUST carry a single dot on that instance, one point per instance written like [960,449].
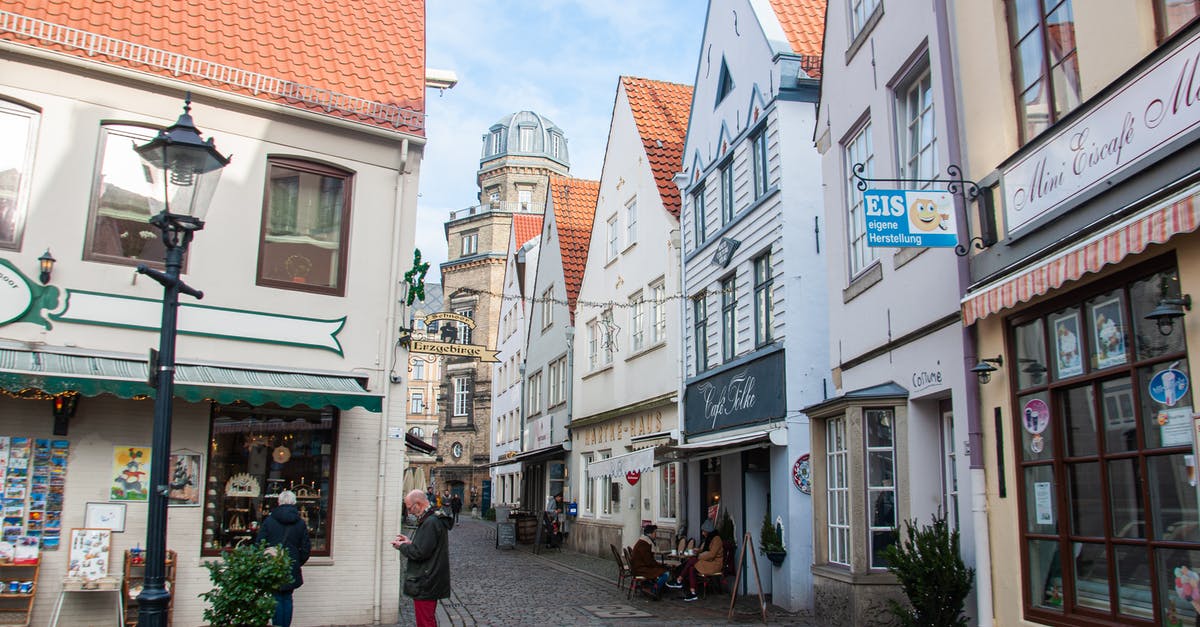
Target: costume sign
[802,474]
[907,218]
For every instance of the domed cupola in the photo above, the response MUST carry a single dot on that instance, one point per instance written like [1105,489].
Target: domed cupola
[525,134]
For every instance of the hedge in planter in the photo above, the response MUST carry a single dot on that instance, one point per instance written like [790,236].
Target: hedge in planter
[244,582]
[934,577]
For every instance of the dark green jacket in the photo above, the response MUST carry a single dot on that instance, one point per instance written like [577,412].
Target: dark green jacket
[427,576]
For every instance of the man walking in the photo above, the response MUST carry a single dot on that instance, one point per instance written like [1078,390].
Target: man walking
[427,575]
[284,528]
[455,506]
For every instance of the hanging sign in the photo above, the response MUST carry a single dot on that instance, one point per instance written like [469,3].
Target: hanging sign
[1035,416]
[1168,386]
[474,351]
[909,218]
[802,474]
[633,476]
[22,300]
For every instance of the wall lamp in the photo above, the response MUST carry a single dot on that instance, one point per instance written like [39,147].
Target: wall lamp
[1168,310]
[985,367]
[46,266]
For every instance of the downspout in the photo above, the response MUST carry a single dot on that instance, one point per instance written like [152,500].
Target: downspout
[680,180]
[570,404]
[387,345]
[979,514]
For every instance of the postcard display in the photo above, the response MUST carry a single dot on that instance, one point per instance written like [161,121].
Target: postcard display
[34,472]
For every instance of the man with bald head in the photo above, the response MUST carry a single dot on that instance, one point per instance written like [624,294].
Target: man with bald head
[427,575]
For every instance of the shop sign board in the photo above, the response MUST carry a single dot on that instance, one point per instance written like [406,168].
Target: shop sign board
[473,351]
[909,218]
[1159,104]
[22,300]
[750,393]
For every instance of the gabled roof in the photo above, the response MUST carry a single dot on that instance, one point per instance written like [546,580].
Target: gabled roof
[526,226]
[574,209]
[661,111]
[365,61]
[803,22]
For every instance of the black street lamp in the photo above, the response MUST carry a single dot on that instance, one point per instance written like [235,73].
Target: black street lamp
[188,168]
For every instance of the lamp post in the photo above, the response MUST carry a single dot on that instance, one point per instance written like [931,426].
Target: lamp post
[188,168]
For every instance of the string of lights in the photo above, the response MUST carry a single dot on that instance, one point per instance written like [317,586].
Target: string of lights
[594,304]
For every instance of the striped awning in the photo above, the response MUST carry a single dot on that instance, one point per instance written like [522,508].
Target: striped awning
[1154,225]
[617,465]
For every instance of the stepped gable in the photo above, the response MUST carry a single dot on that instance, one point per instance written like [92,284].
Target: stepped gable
[574,210]
[661,112]
[803,22]
[369,49]
[526,226]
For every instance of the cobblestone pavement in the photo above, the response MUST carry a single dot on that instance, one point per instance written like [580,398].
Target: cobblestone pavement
[518,587]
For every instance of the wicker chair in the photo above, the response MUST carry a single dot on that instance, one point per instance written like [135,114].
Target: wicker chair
[622,567]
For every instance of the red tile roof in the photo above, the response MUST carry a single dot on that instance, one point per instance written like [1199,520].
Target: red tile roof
[661,111]
[803,22]
[574,210]
[324,56]
[526,226]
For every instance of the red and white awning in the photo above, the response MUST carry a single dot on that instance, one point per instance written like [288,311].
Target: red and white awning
[1154,225]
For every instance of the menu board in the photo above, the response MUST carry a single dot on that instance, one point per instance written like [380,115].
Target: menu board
[33,473]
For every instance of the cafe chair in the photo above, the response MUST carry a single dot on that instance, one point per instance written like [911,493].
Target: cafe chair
[622,567]
[635,581]
[681,546]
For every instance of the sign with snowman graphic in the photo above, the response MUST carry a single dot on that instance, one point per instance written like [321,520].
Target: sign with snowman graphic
[909,218]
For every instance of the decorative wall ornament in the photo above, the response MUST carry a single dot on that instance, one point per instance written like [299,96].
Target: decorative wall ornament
[242,484]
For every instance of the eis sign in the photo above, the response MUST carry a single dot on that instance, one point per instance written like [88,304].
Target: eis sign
[906,218]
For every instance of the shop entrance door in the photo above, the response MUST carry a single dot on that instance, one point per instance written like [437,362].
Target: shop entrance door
[757,496]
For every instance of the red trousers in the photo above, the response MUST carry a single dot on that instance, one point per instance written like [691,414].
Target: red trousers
[426,612]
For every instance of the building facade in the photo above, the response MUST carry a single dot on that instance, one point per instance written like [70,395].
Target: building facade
[424,384]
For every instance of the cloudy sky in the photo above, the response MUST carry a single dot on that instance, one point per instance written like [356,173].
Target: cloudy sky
[560,58]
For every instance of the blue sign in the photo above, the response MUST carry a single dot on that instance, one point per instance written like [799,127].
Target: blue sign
[1167,387]
[906,218]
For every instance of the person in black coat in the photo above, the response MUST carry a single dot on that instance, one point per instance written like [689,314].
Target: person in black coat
[284,528]
[455,506]
[427,574]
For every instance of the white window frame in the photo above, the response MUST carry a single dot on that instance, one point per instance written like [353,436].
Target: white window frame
[417,405]
[858,149]
[555,145]
[535,393]
[868,415]
[668,497]
[614,244]
[607,316]
[558,381]
[418,369]
[20,157]
[637,321]
[658,312]
[525,138]
[837,488]
[589,490]
[593,328]
[464,332]
[525,199]
[631,220]
[470,243]
[916,136]
[860,12]
[608,505]
[462,396]
[547,307]
[949,470]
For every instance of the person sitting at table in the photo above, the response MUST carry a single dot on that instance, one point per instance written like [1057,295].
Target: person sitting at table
[643,564]
[709,561]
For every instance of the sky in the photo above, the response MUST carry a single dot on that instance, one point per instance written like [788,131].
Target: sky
[559,58]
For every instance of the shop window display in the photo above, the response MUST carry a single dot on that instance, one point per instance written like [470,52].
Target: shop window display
[257,452]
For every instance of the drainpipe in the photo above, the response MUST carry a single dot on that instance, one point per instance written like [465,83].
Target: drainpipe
[677,242]
[570,391]
[387,347]
[979,516]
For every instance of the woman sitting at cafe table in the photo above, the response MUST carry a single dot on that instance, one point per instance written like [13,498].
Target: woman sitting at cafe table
[643,564]
[710,561]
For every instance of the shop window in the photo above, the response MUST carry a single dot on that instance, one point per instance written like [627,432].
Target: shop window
[305,224]
[556,472]
[18,137]
[668,491]
[589,490]
[123,200]
[949,467]
[837,486]
[1045,65]
[881,482]
[254,454]
[1173,15]
[1110,514]
[610,491]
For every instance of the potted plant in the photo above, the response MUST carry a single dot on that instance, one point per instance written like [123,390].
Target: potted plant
[244,582]
[932,573]
[771,544]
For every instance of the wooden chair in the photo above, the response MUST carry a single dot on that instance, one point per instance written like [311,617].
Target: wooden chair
[622,567]
[635,581]
[728,557]
[682,546]
[691,544]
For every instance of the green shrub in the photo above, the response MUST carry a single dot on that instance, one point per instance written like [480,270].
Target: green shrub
[768,537]
[932,573]
[244,582]
[489,513]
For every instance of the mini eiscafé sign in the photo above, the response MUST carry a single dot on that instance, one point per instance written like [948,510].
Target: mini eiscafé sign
[907,218]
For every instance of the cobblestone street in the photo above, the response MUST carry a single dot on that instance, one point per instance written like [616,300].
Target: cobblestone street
[518,587]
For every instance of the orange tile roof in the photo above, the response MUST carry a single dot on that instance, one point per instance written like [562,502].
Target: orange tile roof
[803,22]
[574,210]
[526,226]
[318,55]
[661,111]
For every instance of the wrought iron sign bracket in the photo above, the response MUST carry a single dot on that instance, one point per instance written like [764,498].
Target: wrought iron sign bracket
[955,184]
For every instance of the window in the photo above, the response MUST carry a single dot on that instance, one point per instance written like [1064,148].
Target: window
[658,312]
[631,217]
[418,403]
[613,239]
[470,241]
[462,396]
[637,321]
[700,331]
[728,318]
[950,467]
[123,199]
[18,136]
[668,490]
[917,134]
[306,221]
[548,307]
[1103,452]
[860,12]
[534,404]
[240,446]
[607,338]
[555,145]
[698,216]
[589,490]
[724,83]
[497,141]
[881,482]
[418,369]
[494,199]
[1045,66]
[764,305]
[727,193]
[464,330]
[593,329]
[417,431]
[759,148]
[610,491]
[558,381]
[858,151]
[525,138]
[1172,15]
[837,480]
[525,199]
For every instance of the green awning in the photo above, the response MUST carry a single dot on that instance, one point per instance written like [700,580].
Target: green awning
[126,377]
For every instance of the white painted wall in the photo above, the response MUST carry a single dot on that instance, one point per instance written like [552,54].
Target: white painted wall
[507,382]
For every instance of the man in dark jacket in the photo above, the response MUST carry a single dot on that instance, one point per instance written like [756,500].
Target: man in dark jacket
[455,506]
[427,576]
[284,528]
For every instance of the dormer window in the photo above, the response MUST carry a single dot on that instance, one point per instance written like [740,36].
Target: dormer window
[526,138]
[555,145]
[724,83]
[495,142]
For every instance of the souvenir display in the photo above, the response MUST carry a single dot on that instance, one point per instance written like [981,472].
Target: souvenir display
[16,484]
[89,554]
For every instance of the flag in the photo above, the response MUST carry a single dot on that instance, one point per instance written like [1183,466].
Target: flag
[713,511]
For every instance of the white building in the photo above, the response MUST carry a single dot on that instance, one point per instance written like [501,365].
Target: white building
[627,349]
[754,277]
